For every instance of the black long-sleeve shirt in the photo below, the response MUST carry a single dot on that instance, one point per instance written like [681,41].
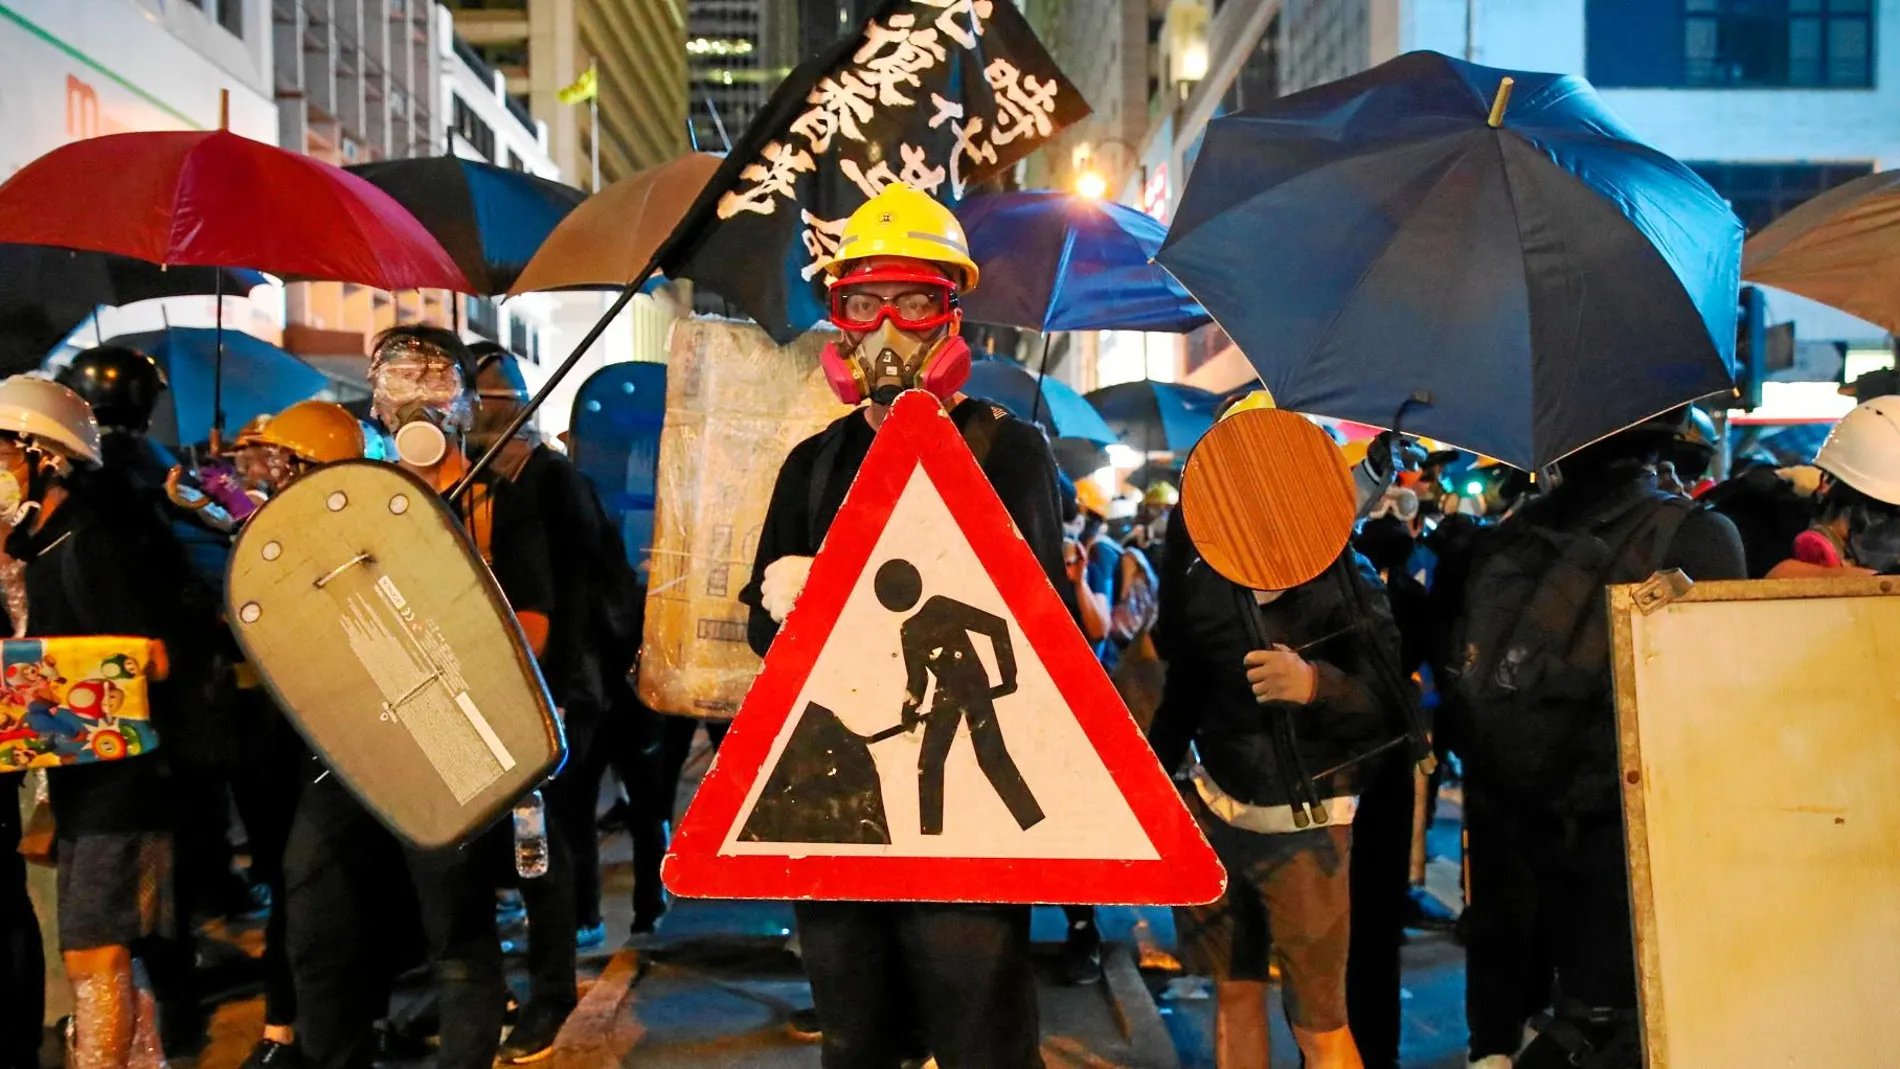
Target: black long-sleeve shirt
[83,578]
[1207,700]
[1018,464]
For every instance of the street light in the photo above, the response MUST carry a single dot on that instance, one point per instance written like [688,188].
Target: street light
[1091,181]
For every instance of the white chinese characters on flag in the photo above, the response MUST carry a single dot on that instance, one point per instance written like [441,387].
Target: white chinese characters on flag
[936,94]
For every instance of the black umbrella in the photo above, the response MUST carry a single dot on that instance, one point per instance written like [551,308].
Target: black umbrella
[1515,259]
[46,292]
[490,219]
[1155,417]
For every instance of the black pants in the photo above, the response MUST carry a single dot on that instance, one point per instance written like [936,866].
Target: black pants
[553,901]
[963,972]
[1549,897]
[653,786]
[1381,881]
[22,958]
[338,867]
[266,790]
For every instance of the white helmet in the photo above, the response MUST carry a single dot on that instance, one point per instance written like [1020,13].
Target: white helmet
[1863,450]
[51,415]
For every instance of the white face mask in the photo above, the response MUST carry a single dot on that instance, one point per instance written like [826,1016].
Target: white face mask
[13,504]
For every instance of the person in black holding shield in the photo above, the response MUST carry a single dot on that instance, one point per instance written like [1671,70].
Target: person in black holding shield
[879,970]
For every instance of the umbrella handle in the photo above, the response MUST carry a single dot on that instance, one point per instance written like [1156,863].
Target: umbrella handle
[177,496]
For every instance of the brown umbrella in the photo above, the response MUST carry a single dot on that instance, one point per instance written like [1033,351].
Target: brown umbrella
[612,235]
[1842,248]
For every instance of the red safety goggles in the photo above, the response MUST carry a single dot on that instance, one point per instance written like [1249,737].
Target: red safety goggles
[930,305]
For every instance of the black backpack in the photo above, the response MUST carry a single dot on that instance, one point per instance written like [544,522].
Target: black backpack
[1531,689]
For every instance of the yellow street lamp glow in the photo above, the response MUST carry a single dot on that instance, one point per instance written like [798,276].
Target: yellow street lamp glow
[1091,185]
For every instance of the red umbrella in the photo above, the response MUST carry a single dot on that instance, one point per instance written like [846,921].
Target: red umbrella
[220,200]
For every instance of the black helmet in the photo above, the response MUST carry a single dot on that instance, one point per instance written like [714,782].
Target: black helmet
[498,374]
[121,384]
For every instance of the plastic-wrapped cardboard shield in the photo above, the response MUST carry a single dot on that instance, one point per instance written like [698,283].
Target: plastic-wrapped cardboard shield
[385,639]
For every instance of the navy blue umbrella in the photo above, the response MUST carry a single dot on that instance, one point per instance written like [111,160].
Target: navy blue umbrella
[1060,409]
[47,292]
[490,219]
[1539,276]
[259,379]
[1155,417]
[1055,261]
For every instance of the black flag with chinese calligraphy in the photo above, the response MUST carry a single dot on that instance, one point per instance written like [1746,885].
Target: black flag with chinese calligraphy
[937,94]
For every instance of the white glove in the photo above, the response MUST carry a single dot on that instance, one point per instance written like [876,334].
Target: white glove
[784,579]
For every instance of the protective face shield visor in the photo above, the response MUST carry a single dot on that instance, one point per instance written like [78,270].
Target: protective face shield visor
[420,395]
[898,339]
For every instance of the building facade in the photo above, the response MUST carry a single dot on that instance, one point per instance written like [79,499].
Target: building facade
[737,52]
[75,70]
[543,46]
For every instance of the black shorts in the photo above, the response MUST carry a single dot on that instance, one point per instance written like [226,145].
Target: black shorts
[114,889]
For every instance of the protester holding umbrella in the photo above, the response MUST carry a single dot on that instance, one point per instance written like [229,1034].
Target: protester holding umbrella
[963,971]
[1530,705]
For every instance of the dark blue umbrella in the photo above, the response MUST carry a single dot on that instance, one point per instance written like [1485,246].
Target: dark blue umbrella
[490,219]
[1061,410]
[1155,417]
[1055,261]
[259,379]
[1544,281]
[47,292]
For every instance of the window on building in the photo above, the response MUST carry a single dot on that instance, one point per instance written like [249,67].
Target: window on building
[1259,79]
[483,317]
[470,127]
[1760,193]
[520,337]
[1741,44]
[231,16]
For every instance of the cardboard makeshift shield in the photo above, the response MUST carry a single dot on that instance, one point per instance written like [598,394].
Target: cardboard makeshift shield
[379,631]
[1760,727]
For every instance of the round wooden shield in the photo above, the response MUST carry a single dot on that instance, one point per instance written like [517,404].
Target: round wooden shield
[386,641]
[1268,499]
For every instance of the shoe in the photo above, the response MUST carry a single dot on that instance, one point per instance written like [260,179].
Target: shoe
[1082,955]
[532,1038]
[270,1054]
[508,909]
[646,916]
[804,1026]
[590,937]
[396,1045]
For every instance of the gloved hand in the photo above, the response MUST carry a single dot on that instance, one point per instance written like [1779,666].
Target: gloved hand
[784,580]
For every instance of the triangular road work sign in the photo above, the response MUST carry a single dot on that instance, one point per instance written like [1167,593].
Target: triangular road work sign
[931,726]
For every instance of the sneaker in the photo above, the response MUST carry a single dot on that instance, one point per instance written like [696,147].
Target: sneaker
[591,937]
[804,1026]
[270,1054]
[532,1038]
[395,1044]
[646,916]
[1082,955]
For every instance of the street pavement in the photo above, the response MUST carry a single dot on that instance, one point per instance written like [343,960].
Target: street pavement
[715,986]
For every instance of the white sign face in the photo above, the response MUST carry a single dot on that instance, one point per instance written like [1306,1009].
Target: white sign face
[1063,801]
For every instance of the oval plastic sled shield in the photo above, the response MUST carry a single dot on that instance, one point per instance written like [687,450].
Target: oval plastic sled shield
[385,639]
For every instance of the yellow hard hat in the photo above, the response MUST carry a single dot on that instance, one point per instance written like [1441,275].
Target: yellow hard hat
[1161,492]
[1355,452]
[1091,497]
[900,221]
[1261,398]
[316,431]
[252,428]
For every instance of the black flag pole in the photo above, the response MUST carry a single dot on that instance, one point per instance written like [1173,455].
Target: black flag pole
[937,94]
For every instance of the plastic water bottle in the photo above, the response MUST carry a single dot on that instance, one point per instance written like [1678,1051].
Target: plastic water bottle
[531,836]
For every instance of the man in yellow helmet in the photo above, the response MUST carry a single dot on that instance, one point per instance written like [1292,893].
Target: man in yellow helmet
[879,972]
